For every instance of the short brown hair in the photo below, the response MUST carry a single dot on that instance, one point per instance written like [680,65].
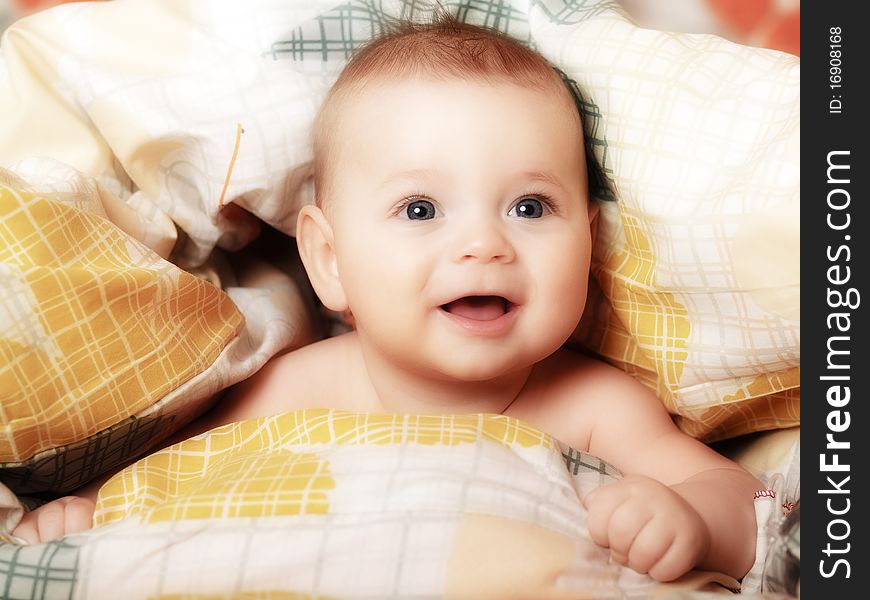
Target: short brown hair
[444,48]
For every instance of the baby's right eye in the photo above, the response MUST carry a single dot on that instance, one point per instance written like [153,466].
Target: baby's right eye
[420,210]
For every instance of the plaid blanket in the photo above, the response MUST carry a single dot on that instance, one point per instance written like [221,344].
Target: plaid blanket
[335,504]
[330,504]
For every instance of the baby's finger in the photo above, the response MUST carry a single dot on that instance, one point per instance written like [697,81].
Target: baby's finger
[602,493]
[599,514]
[650,545]
[618,558]
[26,529]
[625,524]
[677,560]
[50,521]
[79,515]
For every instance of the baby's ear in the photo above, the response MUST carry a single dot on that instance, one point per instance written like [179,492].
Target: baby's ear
[316,248]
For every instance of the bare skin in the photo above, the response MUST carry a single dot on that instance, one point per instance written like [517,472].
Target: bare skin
[459,235]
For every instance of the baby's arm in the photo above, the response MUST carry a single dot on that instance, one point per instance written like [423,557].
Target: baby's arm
[681,505]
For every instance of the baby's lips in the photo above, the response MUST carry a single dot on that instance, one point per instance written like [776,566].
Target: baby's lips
[512,298]
[478,308]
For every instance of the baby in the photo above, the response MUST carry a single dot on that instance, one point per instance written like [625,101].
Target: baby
[453,220]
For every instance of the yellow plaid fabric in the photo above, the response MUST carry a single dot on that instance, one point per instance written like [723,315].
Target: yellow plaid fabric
[94,327]
[649,325]
[273,466]
[646,332]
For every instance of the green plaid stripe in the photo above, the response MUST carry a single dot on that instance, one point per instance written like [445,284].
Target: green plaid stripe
[570,12]
[42,572]
[332,35]
[580,462]
[335,34]
[497,14]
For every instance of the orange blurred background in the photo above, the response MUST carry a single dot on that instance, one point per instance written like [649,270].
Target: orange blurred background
[764,23]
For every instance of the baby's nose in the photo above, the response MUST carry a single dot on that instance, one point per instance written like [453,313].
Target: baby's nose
[484,242]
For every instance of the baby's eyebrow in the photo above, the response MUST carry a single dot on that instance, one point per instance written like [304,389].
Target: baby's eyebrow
[543,176]
[430,174]
[412,174]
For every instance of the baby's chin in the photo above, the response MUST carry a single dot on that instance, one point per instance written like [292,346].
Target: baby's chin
[484,365]
[464,358]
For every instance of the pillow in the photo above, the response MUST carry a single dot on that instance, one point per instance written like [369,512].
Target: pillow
[95,330]
[697,263]
[695,137]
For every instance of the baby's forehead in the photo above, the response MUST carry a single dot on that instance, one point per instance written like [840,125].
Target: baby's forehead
[387,111]
[368,99]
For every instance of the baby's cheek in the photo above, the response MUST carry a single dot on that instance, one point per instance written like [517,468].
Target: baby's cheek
[381,308]
[558,309]
[570,287]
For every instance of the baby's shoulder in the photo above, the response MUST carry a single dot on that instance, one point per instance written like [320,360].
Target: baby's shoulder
[570,375]
[310,377]
[569,394]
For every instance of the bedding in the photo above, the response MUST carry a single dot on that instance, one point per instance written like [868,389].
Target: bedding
[96,329]
[327,503]
[194,140]
[105,348]
[324,503]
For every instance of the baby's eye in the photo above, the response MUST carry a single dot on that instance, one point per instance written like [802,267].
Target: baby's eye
[529,208]
[420,210]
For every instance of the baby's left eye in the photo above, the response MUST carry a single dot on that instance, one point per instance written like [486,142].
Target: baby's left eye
[529,208]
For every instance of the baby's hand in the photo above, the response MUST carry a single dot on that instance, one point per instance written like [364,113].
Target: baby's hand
[647,526]
[69,514]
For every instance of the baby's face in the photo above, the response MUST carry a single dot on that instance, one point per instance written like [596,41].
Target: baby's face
[461,224]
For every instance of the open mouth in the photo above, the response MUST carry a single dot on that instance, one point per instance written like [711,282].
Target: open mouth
[478,308]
